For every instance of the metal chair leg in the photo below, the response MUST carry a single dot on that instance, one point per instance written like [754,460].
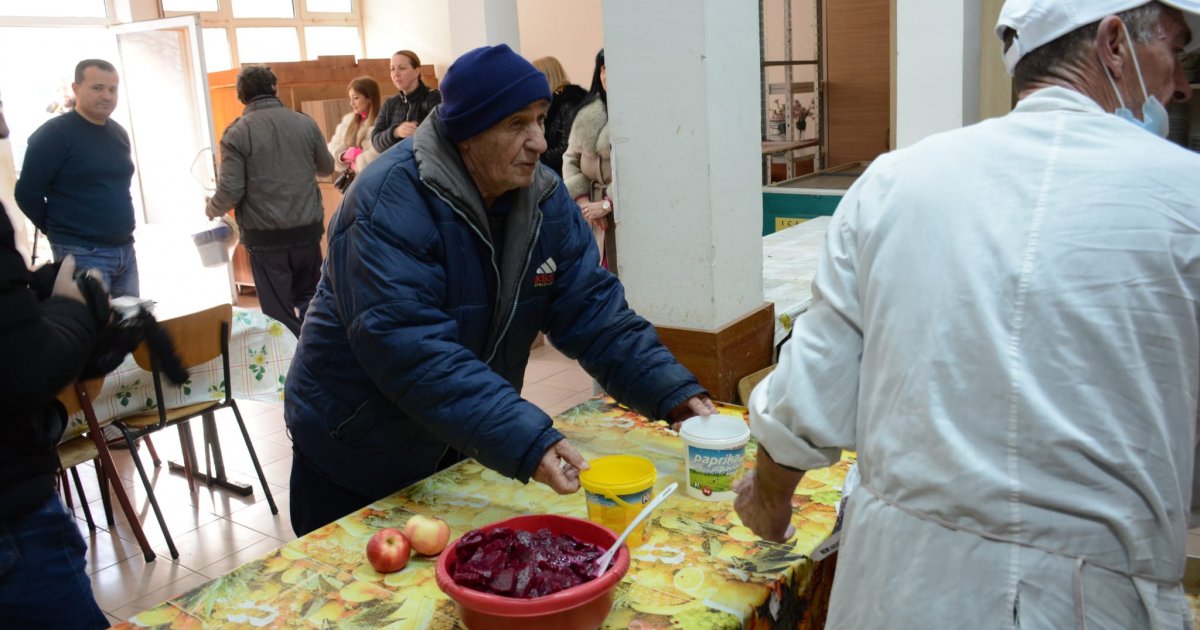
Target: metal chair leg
[64,489]
[105,500]
[162,523]
[254,457]
[153,453]
[87,512]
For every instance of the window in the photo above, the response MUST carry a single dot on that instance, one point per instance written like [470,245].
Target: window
[57,9]
[331,40]
[263,9]
[262,31]
[264,45]
[216,49]
[189,6]
[327,6]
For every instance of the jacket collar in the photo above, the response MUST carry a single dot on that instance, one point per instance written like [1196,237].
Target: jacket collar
[441,169]
[262,102]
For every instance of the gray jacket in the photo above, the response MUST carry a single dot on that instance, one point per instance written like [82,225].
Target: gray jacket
[270,158]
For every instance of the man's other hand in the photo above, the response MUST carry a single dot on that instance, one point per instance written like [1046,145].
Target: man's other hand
[64,282]
[560,467]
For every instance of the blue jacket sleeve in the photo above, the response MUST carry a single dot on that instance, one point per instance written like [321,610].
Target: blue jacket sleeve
[43,159]
[590,321]
[389,284]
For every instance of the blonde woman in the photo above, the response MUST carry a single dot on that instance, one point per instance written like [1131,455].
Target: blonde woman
[351,141]
[566,98]
[587,165]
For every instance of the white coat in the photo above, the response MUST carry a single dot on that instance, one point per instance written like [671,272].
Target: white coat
[1006,327]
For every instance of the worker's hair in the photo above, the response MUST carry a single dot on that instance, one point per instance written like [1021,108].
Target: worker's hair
[91,63]
[1076,47]
[255,81]
[555,75]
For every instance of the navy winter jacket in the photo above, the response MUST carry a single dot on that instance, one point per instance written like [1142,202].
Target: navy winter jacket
[417,339]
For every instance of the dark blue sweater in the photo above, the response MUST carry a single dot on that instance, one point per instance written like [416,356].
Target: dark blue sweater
[74,182]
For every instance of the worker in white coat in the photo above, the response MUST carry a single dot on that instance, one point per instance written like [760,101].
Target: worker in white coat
[1006,328]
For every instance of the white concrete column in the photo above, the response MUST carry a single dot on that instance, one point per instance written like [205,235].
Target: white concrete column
[683,84]
[475,23]
[937,67]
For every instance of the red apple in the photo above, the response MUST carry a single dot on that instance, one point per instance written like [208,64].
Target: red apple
[388,550]
[428,535]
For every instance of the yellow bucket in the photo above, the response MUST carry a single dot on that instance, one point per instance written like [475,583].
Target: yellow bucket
[617,487]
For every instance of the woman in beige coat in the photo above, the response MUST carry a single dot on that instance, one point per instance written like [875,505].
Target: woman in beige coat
[587,165]
[351,141]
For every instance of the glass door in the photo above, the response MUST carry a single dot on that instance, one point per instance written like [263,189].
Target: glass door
[166,89]
[165,86]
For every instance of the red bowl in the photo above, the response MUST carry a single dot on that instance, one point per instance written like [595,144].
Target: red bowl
[583,606]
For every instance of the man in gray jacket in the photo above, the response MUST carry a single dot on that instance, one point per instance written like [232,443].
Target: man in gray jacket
[270,158]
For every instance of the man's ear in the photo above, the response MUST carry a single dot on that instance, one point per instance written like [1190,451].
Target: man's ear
[1112,45]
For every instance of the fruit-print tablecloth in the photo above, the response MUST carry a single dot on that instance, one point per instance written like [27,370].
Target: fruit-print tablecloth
[260,351]
[700,567]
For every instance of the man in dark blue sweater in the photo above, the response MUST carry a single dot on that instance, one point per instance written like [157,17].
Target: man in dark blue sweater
[74,182]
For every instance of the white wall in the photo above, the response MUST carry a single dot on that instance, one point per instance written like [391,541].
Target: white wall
[422,26]
[937,67]
[572,31]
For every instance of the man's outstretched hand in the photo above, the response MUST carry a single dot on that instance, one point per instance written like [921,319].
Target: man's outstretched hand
[695,406]
[560,467]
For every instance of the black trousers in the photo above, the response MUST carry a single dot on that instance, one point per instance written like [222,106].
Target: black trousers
[315,500]
[285,279]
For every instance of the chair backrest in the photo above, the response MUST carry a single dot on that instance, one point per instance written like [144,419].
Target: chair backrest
[197,336]
[70,399]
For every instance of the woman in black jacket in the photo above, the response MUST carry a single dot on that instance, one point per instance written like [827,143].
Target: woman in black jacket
[566,98]
[47,332]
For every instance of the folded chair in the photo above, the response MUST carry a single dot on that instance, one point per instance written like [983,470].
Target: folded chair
[198,339]
[92,446]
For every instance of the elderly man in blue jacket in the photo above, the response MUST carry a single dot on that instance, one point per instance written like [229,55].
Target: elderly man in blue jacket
[449,254]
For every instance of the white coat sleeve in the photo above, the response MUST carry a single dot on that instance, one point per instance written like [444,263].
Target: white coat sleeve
[806,410]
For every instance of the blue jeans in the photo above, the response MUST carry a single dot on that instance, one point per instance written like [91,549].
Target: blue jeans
[118,265]
[43,581]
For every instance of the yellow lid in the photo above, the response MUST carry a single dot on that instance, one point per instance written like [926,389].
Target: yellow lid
[619,475]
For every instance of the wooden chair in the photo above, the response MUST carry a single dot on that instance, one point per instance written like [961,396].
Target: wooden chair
[91,446]
[198,338]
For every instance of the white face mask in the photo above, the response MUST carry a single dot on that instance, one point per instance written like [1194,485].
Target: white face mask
[1154,115]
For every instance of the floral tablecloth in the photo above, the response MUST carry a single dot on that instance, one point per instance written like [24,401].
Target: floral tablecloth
[260,351]
[789,264]
[699,568]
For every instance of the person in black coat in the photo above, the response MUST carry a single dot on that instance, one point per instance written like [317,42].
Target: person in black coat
[47,331]
[565,100]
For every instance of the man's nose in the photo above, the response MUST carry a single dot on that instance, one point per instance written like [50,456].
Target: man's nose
[1183,91]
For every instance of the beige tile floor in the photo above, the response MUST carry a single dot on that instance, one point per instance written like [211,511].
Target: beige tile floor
[216,531]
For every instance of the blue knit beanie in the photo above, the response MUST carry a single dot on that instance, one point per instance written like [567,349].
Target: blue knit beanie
[484,86]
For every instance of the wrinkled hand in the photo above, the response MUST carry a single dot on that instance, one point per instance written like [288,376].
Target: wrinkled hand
[560,467]
[405,129]
[695,406]
[764,498]
[770,519]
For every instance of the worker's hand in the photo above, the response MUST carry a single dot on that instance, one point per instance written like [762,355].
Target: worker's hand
[405,129]
[695,406]
[560,467]
[764,498]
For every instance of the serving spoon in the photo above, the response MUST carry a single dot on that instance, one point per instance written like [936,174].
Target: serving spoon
[603,561]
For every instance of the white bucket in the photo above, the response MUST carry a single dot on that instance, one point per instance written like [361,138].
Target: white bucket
[212,244]
[714,453]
